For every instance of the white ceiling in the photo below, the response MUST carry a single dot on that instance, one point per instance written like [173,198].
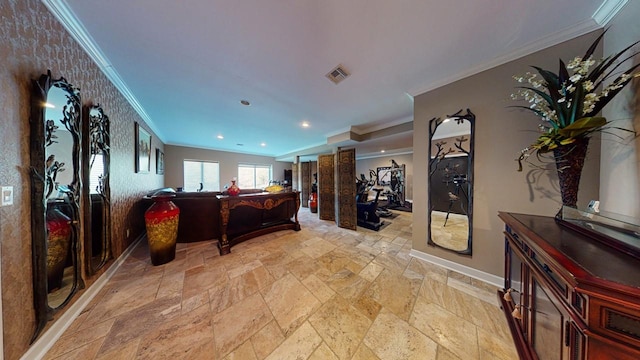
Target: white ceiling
[185,65]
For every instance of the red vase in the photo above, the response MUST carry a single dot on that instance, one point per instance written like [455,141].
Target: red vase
[233,190]
[161,220]
[58,241]
[313,202]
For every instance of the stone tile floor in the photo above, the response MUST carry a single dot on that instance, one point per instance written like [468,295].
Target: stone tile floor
[320,293]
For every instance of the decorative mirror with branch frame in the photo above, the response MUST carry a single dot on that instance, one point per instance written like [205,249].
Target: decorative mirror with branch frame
[451,148]
[56,191]
[97,213]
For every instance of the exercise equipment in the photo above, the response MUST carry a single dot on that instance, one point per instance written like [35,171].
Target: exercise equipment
[367,211]
[396,193]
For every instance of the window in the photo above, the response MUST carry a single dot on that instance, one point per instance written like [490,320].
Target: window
[95,173]
[253,176]
[206,173]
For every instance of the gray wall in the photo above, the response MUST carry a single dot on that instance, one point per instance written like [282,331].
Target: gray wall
[175,155]
[620,174]
[501,132]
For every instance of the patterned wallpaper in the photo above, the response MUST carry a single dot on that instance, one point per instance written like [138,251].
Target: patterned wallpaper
[33,41]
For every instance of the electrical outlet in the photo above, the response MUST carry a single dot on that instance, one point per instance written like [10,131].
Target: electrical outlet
[7,196]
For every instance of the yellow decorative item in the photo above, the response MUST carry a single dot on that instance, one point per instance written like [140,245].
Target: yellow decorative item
[274,188]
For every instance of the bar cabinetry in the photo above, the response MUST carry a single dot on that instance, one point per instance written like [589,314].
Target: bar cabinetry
[566,295]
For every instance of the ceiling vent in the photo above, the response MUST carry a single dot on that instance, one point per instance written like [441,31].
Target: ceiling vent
[338,74]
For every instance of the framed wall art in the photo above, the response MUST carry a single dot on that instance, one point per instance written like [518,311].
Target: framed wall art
[159,162]
[143,150]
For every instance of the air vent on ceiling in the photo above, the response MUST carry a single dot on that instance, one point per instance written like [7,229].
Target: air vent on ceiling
[338,74]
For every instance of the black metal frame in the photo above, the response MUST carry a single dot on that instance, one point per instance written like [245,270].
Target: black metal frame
[41,187]
[96,124]
[434,160]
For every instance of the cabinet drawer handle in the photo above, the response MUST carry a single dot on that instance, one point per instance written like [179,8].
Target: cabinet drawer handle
[516,312]
[507,295]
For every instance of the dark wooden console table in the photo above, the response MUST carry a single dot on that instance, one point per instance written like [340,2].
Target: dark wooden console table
[569,296]
[246,216]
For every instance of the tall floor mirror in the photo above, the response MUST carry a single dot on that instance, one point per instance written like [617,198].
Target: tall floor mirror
[97,222]
[451,143]
[55,195]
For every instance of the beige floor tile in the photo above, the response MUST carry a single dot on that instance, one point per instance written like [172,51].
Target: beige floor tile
[300,345]
[267,339]
[319,293]
[235,325]
[73,340]
[243,352]
[391,338]
[86,351]
[186,337]
[125,351]
[171,285]
[203,278]
[371,271]
[290,302]
[494,347]
[364,353]
[395,292]
[318,288]
[451,331]
[140,321]
[323,353]
[125,296]
[341,326]
[317,247]
[347,284]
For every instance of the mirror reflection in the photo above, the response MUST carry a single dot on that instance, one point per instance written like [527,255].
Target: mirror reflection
[451,181]
[60,213]
[55,149]
[97,221]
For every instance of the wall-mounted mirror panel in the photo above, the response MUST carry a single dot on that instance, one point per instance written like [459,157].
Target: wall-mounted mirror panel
[451,143]
[97,222]
[56,190]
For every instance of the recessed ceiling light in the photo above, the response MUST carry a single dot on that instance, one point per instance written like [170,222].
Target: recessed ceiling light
[220,137]
[245,102]
[263,144]
[381,151]
[305,124]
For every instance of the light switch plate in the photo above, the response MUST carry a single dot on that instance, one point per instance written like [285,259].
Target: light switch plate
[7,196]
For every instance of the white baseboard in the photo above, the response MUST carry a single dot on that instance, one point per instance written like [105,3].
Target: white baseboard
[494,280]
[44,343]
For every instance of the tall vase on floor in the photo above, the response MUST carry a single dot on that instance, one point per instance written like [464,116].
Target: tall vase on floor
[161,220]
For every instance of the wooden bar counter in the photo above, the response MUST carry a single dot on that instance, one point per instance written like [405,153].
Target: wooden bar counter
[249,215]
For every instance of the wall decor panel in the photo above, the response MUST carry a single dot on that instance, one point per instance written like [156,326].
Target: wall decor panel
[305,170]
[326,190]
[346,201]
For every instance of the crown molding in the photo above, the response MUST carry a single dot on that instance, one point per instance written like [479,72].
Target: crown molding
[608,10]
[60,9]
[579,29]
